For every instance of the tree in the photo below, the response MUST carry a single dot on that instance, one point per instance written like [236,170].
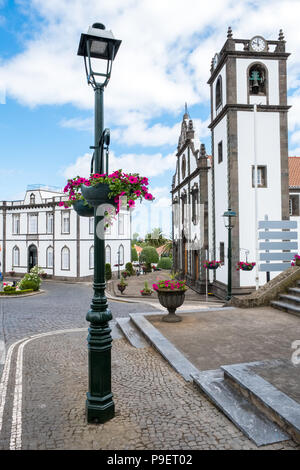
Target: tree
[149,255]
[134,255]
[155,238]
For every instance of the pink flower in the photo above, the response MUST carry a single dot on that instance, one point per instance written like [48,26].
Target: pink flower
[145,189]
[131,203]
[144,181]
[148,196]
[133,179]
[138,192]
[61,203]
[155,286]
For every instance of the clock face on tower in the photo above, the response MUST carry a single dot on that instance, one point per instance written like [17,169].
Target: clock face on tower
[258,44]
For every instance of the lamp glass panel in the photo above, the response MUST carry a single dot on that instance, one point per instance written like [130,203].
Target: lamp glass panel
[98,47]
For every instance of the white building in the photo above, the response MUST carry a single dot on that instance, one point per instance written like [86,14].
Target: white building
[245,72]
[36,231]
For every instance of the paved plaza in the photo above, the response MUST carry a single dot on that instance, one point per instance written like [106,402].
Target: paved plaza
[44,382]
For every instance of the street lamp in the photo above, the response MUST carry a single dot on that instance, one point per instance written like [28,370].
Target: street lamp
[229,221]
[99,43]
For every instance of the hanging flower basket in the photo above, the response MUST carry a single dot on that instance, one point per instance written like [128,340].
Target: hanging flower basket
[245,266]
[98,194]
[212,264]
[83,209]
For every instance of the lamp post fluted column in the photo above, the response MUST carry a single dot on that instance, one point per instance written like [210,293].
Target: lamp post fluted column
[99,404]
[99,43]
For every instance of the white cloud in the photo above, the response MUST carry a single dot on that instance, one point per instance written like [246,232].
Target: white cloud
[145,164]
[79,124]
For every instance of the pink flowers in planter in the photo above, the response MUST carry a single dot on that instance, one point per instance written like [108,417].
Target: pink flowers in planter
[294,260]
[212,264]
[170,285]
[245,266]
[125,188]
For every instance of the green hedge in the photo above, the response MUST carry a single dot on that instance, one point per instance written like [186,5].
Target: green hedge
[17,292]
[108,273]
[134,255]
[165,263]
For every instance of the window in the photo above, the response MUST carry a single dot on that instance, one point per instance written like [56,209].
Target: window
[16,256]
[222,257]
[294,204]
[91,258]
[183,213]
[32,223]
[65,223]
[49,222]
[257,80]
[220,152]
[16,224]
[219,92]
[121,224]
[121,254]
[195,205]
[49,257]
[183,167]
[91,225]
[32,198]
[65,259]
[107,254]
[261,177]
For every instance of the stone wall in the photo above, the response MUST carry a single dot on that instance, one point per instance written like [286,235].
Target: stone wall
[269,291]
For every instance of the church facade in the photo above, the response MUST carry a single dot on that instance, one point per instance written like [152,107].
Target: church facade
[245,73]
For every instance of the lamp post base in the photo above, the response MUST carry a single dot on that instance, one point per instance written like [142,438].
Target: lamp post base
[98,412]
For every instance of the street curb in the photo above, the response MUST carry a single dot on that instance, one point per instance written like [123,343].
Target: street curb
[23,295]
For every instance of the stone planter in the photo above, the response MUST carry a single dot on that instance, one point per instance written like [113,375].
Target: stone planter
[121,288]
[97,195]
[146,294]
[82,209]
[171,300]
[213,267]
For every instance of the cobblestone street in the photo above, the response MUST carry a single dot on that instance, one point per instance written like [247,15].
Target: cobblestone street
[44,383]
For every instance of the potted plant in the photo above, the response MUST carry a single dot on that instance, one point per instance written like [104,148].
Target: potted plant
[295,261]
[171,294]
[12,273]
[146,291]
[117,188]
[212,264]
[245,266]
[122,285]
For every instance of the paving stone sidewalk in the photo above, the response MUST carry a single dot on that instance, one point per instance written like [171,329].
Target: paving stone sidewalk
[155,408]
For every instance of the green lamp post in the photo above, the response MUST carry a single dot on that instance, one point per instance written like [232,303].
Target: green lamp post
[229,221]
[99,43]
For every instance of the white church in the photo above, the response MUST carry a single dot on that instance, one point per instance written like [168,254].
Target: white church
[37,231]
[244,73]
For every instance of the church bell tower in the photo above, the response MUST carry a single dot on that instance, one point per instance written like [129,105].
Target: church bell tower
[247,72]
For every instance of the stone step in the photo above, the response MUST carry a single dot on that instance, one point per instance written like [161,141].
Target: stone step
[289,298]
[276,405]
[287,307]
[294,291]
[132,333]
[252,422]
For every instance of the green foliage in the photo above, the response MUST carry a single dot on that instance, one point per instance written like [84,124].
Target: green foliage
[31,280]
[108,273]
[149,255]
[155,238]
[129,268]
[134,255]
[122,282]
[8,289]
[16,292]
[165,263]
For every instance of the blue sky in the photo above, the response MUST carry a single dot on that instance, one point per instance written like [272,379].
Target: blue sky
[46,115]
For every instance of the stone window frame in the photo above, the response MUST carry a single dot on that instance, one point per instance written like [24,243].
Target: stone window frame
[91,225]
[50,247]
[49,215]
[195,197]
[32,214]
[69,258]
[15,250]
[123,253]
[265,181]
[62,222]
[183,167]
[32,199]
[256,62]
[15,217]
[220,146]
[183,198]
[219,92]
[175,211]
[294,205]
[222,252]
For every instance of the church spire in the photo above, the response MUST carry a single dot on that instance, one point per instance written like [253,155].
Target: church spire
[229,32]
[186,113]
